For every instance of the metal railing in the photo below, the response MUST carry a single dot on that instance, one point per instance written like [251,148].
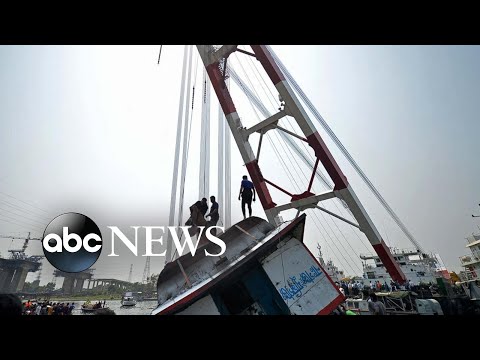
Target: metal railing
[469,259]
[468,275]
[473,238]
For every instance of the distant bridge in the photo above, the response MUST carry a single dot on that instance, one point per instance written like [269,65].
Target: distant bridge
[74,283]
[103,283]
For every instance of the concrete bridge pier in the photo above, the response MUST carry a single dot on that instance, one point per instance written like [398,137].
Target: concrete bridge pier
[13,273]
[79,285]
[18,280]
[6,276]
[67,287]
[73,282]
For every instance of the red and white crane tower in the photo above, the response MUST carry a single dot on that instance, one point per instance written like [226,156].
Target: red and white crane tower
[215,60]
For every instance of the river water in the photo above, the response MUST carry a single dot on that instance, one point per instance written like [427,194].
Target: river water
[141,308]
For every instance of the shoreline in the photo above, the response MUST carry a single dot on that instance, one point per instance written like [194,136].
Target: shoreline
[78,298]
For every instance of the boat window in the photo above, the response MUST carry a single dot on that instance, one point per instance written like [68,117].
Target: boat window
[250,293]
[236,298]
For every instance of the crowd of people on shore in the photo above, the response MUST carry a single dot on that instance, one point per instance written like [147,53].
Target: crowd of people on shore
[11,305]
[355,287]
[47,308]
[375,306]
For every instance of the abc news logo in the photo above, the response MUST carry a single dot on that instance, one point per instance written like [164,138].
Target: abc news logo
[64,242]
[72,242]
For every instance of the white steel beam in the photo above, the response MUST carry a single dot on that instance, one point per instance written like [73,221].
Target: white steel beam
[272,120]
[228,177]
[185,141]
[204,173]
[302,204]
[338,216]
[220,155]
[173,196]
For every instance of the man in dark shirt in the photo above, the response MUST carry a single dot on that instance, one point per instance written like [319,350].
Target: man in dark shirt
[203,207]
[213,214]
[375,306]
[247,190]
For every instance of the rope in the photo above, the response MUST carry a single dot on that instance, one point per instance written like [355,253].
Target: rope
[159,54]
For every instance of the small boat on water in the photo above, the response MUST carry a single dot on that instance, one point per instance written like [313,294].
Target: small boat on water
[89,308]
[128,300]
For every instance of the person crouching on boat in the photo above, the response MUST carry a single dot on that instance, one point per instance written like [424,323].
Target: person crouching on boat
[197,219]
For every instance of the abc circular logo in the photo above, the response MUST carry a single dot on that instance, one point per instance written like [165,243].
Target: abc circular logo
[72,242]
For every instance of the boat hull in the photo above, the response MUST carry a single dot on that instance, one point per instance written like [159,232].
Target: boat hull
[128,303]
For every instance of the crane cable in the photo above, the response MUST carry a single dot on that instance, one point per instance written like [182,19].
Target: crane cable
[294,184]
[311,158]
[291,176]
[265,85]
[255,71]
[297,173]
[345,152]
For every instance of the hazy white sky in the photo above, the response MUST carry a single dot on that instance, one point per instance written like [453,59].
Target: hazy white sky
[91,129]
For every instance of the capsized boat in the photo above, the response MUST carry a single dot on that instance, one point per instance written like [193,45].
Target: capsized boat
[265,270]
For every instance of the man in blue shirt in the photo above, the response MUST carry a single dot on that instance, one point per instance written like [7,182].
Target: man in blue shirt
[247,191]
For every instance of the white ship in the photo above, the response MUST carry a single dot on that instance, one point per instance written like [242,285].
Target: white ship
[330,268]
[418,268]
[470,276]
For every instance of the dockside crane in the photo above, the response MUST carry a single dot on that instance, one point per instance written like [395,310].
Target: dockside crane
[19,254]
[215,59]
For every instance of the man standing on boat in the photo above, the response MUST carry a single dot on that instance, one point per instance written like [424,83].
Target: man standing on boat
[247,191]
